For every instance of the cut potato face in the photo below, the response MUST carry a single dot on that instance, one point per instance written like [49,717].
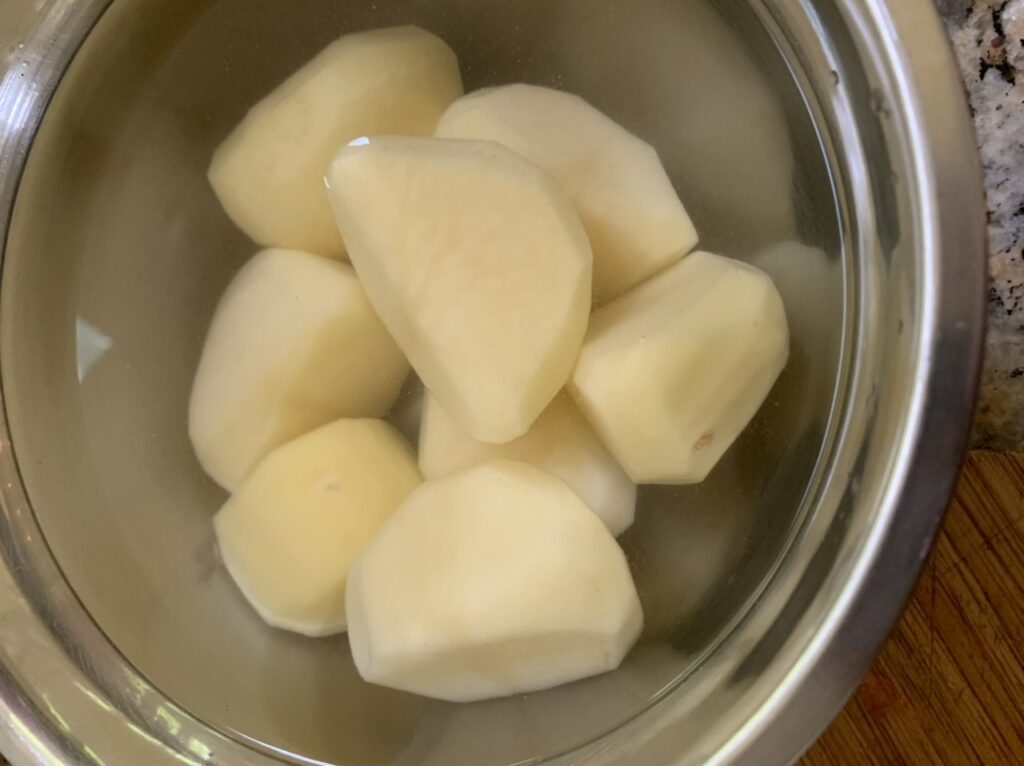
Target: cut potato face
[636,223]
[493,581]
[477,263]
[269,173]
[291,532]
[672,372]
[560,442]
[294,344]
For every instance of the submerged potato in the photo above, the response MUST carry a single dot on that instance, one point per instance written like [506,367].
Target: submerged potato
[269,173]
[477,263]
[636,223]
[290,533]
[560,442]
[495,580]
[294,344]
[673,371]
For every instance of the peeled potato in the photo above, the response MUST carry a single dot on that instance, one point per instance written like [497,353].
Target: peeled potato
[496,580]
[477,263]
[269,173]
[708,99]
[560,442]
[294,344]
[636,223]
[291,532]
[672,372]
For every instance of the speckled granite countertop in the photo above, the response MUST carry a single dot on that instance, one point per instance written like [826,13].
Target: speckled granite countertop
[988,36]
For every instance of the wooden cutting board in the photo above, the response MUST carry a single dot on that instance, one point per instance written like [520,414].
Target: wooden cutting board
[948,689]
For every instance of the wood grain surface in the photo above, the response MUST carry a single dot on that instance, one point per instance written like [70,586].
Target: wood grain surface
[948,689]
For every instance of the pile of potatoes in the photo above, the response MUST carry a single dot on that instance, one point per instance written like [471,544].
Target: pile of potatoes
[524,255]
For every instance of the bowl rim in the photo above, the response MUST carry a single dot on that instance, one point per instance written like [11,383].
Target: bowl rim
[910,42]
[927,80]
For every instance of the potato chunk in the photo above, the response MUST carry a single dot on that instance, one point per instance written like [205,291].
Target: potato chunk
[294,344]
[477,263]
[269,173]
[493,581]
[560,442]
[636,223]
[291,532]
[672,372]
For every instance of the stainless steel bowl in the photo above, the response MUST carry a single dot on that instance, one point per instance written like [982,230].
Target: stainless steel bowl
[826,140]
